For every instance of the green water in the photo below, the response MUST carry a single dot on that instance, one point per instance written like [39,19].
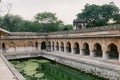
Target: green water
[42,69]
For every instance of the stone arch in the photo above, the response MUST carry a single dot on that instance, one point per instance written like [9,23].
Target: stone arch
[57,46]
[43,45]
[53,46]
[68,47]
[3,47]
[112,51]
[62,46]
[12,47]
[30,46]
[76,48]
[97,50]
[86,50]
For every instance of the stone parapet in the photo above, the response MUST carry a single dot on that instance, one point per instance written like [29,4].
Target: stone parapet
[94,29]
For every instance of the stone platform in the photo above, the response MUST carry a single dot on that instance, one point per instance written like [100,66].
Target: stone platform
[7,71]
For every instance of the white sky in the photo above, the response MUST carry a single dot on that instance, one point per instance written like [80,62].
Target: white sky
[65,10]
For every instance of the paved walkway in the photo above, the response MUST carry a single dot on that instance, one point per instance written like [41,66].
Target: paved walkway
[7,72]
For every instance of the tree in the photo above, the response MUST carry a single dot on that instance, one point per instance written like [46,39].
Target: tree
[45,17]
[10,22]
[67,27]
[28,26]
[49,22]
[100,15]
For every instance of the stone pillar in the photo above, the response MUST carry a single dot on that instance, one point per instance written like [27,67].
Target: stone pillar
[51,48]
[91,48]
[26,47]
[60,49]
[92,53]
[0,47]
[47,47]
[72,51]
[72,48]
[119,53]
[105,55]
[81,52]
[64,49]
[39,47]
[119,57]
[55,48]
[15,48]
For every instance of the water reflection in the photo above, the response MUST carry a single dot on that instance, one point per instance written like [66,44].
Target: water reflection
[60,72]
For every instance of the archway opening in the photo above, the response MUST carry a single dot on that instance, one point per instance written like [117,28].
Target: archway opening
[76,48]
[53,46]
[3,47]
[36,45]
[97,50]
[113,51]
[57,46]
[86,50]
[43,45]
[68,47]
[62,47]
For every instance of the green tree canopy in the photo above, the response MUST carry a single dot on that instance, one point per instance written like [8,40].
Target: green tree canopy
[45,22]
[46,17]
[100,15]
[10,22]
[28,26]
[49,22]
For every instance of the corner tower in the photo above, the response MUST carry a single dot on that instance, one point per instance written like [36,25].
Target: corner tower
[79,24]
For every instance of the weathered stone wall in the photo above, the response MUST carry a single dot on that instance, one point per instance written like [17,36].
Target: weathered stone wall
[20,45]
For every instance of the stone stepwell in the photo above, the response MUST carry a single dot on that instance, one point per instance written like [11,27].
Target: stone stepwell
[97,67]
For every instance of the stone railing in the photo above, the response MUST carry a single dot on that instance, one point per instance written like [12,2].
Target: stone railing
[21,37]
[26,34]
[95,29]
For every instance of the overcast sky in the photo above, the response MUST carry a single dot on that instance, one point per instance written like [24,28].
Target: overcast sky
[65,10]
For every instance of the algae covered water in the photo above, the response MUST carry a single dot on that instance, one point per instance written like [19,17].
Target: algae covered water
[42,69]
